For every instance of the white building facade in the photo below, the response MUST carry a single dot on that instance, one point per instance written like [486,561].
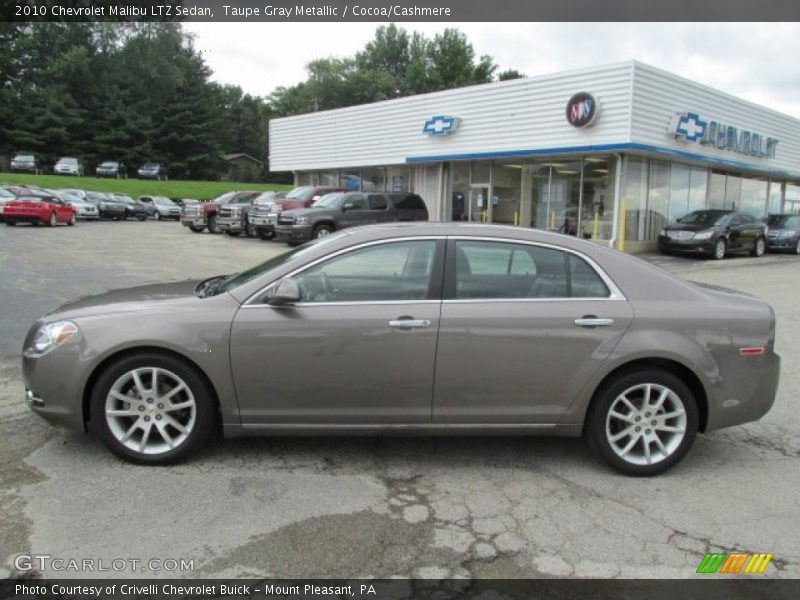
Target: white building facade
[610,153]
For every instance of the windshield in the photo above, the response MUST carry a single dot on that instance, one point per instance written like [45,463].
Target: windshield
[329,201]
[224,198]
[5,193]
[163,201]
[96,196]
[125,199]
[150,166]
[274,262]
[24,158]
[264,198]
[300,193]
[704,217]
[785,222]
[109,164]
[68,161]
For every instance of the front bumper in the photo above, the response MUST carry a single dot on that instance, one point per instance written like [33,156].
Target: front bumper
[198,221]
[293,233]
[53,387]
[87,214]
[25,168]
[232,224]
[786,243]
[148,175]
[113,213]
[697,247]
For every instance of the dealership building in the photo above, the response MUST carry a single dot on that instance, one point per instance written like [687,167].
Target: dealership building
[611,153]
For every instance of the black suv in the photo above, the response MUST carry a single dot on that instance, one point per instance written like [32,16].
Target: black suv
[784,233]
[348,209]
[111,168]
[713,233]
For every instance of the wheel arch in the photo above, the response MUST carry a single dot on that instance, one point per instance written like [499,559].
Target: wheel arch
[678,369]
[327,222]
[131,351]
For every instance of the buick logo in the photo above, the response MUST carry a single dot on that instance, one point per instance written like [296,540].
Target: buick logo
[582,110]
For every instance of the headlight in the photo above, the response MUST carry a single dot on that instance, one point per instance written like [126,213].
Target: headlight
[51,336]
[301,220]
[663,232]
[704,235]
[786,233]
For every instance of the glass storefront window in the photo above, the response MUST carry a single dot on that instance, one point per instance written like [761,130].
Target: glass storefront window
[753,197]
[351,179]
[716,190]
[792,199]
[481,172]
[373,179]
[698,182]
[329,177]
[397,179]
[678,191]
[634,190]
[733,192]
[658,190]
[459,191]
[595,207]
[775,198]
[505,201]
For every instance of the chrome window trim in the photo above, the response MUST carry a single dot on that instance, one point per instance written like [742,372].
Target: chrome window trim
[614,292]
[251,301]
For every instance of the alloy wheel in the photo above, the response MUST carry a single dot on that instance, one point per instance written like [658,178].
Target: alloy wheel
[719,249]
[646,424]
[797,247]
[150,410]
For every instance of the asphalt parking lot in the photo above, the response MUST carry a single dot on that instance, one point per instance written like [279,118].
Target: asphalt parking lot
[375,507]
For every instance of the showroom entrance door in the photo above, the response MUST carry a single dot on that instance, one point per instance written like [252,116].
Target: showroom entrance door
[480,209]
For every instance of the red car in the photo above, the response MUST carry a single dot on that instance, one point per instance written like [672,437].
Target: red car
[38,209]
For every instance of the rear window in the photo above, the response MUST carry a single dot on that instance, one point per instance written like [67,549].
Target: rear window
[409,202]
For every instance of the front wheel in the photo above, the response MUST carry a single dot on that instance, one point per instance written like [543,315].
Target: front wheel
[249,230]
[642,422]
[157,216]
[231,233]
[268,234]
[51,222]
[71,221]
[152,409]
[720,247]
[194,229]
[322,231]
[759,248]
[797,247]
[141,217]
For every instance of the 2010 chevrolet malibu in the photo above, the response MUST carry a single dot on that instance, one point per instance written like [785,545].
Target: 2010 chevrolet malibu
[438,328]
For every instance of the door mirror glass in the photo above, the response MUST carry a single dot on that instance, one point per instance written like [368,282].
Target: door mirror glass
[348,206]
[286,292]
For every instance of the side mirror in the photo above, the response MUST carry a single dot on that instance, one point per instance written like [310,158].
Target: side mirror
[315,198]
[286,292]
[348,206]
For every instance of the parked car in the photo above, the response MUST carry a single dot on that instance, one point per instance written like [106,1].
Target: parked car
[68,166]
[132,207]
[783,233]
[83,209]
[233,218]
[36,209]
[392,325]
[203,215]
[714,233]
[27,163]
[161,207]
[107,205]
[265,217]
[5,195]
[348,209]
[152,171]
[112,168]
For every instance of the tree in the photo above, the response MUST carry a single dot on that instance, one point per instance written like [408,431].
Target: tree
[509,74]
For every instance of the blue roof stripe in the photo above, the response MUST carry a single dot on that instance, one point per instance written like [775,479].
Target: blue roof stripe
[604,148]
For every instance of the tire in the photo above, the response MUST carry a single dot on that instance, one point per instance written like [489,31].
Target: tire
[142,217]
[157,216]
[196,229]
[609,416]
[266,234]
[231,233]
[11,222]
[720,247]
[212,224]
[797,247]
[759,248]
[249,230]
[71,221]
[52,220]
[144,413]
[322,230]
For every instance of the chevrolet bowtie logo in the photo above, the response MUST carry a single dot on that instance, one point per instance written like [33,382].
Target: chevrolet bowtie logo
[688,126]
[440,125]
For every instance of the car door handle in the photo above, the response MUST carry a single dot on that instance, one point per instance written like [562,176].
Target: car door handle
[408,323]
[592,321]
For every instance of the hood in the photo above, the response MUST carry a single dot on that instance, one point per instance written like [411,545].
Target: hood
[133,299]
[296,212]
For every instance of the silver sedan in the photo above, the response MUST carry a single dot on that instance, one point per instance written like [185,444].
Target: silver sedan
[435,328]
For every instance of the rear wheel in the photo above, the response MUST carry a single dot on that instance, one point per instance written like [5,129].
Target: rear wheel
[71,221]
[52,220]
[231,233]
[157,216]
[11,222]
[759,248]
[152,409]
[720,247]
[268,234]
[250,230]
[797,247]
[141,217]
[212,224]
[196,229]
[643,422]
[322,230]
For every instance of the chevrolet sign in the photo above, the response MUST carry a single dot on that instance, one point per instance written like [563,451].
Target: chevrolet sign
[440,125]
[689,127]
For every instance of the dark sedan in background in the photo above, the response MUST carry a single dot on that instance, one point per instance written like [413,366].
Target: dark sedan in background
[714,233]
[417,328]
[132,207]
[152,171]
[112,168]
[784,233]
[26,163]
[107,205]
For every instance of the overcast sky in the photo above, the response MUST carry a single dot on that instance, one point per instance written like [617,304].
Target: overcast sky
[756,61]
